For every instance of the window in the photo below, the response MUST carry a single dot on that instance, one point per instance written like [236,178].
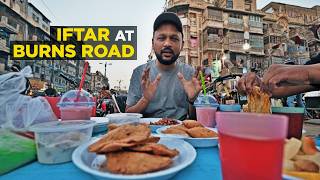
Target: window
[234,15]
[35,18]
[255,18]
[235,19]
[256,41]
[275,39]
[230,4]
[247,5]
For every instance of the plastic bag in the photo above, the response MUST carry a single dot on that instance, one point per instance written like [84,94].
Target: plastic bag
[17,111]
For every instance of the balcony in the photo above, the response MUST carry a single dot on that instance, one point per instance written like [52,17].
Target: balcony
[273,30]
[7,27]
[256,50]
[213,42]
[212,46]
[277,60]
[298,51]
[235,24]
[255,27]
[212,23]
[3,46]
[236,48]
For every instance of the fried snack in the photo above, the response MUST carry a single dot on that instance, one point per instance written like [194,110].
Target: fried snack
[156,149]
[134,162]
[173,130]
[258,101]
[191,124]
[309,146]
[201,132]
[305,165]
[112,127]
[124,134]
[116,146]
[180,127]
[300,164]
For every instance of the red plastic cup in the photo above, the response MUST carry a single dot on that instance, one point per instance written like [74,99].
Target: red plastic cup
[251,145]
[206,116]
[295,115]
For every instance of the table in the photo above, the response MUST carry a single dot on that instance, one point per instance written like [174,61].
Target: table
[206,166]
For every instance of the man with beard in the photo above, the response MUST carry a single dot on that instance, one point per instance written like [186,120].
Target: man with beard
[164,87]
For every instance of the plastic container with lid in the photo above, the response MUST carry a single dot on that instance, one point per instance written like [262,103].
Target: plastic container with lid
[56,140]
[124,118]
[206,101]
[206,107]
[76,106]
[230,107]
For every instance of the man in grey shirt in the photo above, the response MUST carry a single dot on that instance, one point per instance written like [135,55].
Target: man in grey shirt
[164,87]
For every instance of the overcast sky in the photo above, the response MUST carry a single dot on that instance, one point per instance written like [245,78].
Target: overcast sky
[140,13]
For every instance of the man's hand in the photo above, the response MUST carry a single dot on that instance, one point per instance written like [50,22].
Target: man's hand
[149,88]
[247,82]
[279,75]
[191,87]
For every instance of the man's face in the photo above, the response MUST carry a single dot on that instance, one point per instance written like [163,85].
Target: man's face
[167,44]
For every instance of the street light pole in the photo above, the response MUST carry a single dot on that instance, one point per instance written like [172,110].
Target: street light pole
[105,69]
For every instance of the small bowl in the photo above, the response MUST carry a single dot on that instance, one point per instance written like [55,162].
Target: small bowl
[124,118]
[56,140]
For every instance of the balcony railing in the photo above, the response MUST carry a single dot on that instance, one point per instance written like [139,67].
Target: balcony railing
[3,46]
[212,46]
[235,23]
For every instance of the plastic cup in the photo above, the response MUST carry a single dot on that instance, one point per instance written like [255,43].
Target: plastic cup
[295,115]
[56,140]
[206,116]
[76,106]
[206,107]
[251,145]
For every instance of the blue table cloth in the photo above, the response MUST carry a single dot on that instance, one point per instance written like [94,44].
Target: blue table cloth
[206,166]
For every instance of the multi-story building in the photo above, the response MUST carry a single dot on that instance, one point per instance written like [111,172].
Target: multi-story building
[216,30]
[98,80]
[287,32]
[22,21]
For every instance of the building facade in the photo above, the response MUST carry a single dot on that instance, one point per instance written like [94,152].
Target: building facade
[98,80]
[287,32]
[22,21]
[220,30]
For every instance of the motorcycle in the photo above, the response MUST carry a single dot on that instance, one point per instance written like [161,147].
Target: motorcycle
[104,107]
